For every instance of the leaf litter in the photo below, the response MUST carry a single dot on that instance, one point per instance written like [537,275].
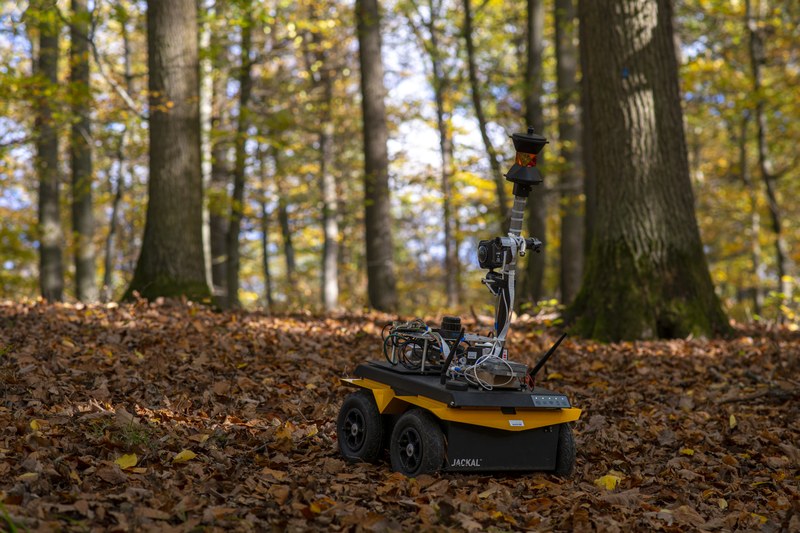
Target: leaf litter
[170,416]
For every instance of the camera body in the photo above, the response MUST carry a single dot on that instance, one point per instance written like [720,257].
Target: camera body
[493,253]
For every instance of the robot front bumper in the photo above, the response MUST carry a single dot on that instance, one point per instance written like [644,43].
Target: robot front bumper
[497,430]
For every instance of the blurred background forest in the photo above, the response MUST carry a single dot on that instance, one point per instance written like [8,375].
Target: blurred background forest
[283,158]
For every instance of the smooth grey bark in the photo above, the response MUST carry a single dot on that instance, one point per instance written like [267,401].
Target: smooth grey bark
[171,261]
[237,198]
[81,155]
[783,261]
[646,273]
[51,235]
[381,283]
[537,202]
[569,138]
[491,152]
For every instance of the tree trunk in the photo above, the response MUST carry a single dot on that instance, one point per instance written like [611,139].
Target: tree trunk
[589,180]
[537,202]
[377,209]
[755,218]
[206,116]
[81,155]
[171,260]
[283,221]
[220,173]
[51,236]
[237,199]
[262,161]
[113,223]
[330,200]
[569,136]
[646,273]
[783,260]
[474,84]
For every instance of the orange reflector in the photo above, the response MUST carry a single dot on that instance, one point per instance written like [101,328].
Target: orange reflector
[526,160]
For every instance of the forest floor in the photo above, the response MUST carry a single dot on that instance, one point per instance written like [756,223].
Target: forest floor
[176,417]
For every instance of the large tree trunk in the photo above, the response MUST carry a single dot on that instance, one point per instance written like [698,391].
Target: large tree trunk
[81,155]
[569,137]
[646,273]
[171,260]
[474,84]
[51,236]
[377,209]
[783,260]
[537,202]
[237,199]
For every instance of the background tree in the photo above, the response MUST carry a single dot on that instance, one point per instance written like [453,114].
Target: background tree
[477,104]
[171,262]
[537,203]
[45,18]
[646,274]
[569,148]
[377,213]
[432,37]
[237,199]
[81,155]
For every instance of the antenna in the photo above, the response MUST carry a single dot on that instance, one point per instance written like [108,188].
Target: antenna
[545,357]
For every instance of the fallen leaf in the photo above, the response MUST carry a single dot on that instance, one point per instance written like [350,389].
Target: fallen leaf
[732,421]
[183,456]
[608,482]
[128,460]
[687,451]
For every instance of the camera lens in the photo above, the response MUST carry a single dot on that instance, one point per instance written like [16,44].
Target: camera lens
[483,253]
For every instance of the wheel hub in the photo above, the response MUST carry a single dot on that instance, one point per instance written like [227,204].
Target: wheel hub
[354,429]
[410,449]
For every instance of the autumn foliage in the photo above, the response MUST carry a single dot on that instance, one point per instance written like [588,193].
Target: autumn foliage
[149,416]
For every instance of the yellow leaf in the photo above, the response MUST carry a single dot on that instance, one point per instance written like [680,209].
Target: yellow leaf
[687,451]
[555,375]
[608,482]
[183,456]
[35,425]
[314,508]
[28,476]
[723,504]
[732,421]
[67,342]
[760,518]
[128,460]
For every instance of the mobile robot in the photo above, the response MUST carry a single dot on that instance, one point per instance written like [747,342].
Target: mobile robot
[449,400]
